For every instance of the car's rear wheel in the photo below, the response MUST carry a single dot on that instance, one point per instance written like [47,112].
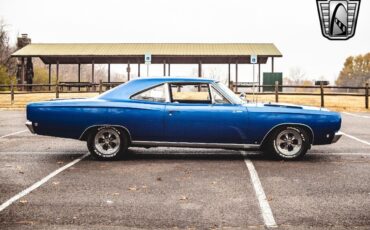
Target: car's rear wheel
[288,143]
[107,143]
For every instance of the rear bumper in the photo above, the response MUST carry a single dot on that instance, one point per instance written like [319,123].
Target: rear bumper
[336,137]
[30,126]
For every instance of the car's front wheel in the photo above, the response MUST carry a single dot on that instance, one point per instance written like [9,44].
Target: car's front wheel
[107,143]
[288,143]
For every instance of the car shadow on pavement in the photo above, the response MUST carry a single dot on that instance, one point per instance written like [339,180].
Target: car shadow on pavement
[139,154]
[190,155]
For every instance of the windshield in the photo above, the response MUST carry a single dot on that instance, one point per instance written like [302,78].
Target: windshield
[230,94]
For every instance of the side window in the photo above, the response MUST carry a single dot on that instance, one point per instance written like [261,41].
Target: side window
[190,93]
[218,98]
[156,94]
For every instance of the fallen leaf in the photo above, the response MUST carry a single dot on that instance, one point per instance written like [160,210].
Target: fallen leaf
[116,194]
[109,202]
[183,198]
[214,182]
[144,186]
[23,201]
[159,178]
[28,222]
[133,188]
[21,172]
[60,162]
[56,182]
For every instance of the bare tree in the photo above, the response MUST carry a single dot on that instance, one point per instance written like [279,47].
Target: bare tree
[296,75]
[8,65]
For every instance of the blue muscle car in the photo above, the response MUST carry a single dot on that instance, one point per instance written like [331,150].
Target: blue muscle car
[182,112]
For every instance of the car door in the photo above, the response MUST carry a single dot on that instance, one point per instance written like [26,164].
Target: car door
[193,115]
[145,116]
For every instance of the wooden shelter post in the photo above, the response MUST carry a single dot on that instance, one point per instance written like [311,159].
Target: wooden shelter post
[236,77]
[23,72]
[138,69]
[128,71]
[200,69]
[79,76]
[164,68]
[57,84]
[57,72]
[108,72]
[93,74]
[169,69]
[272,65]
[49,77]
[229,75]
[259,77]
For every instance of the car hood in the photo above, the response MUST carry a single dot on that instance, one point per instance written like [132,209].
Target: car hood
[293,106]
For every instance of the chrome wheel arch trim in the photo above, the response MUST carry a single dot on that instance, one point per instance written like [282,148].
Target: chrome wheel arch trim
[106,125]
[287,124]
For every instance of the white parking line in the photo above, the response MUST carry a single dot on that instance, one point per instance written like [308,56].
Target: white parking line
[39,183]
[11,134]
[41,153]
[355,138]
[344,154]
[356,115]
[266,211]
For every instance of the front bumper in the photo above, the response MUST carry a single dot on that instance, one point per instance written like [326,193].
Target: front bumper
[30,126]
[336,137]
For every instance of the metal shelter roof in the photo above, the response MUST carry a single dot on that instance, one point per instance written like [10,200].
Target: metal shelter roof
[176,53]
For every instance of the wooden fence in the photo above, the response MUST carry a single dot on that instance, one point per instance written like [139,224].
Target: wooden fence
[100,87]
[19,89]
[322,91]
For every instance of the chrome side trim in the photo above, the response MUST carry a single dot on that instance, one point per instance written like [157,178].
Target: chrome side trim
[336,137]
[281,124]
[105,125]
[194,145]
[30,126]
[218,91]
[167,93]
[214,84]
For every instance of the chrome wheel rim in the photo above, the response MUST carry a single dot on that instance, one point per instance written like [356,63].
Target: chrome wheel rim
[289,142]
[107,142]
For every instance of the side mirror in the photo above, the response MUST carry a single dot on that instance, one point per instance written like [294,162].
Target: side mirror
[243,96]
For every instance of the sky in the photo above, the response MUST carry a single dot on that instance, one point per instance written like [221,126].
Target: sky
[292,25]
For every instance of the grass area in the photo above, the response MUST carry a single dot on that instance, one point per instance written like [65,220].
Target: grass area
[21,100]
[336,103]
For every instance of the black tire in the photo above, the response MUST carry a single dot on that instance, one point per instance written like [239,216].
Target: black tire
[107,143]
[287,143]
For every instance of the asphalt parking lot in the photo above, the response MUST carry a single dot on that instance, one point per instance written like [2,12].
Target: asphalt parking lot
[182,188]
